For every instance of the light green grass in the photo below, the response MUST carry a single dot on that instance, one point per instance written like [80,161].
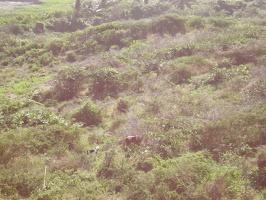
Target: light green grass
[26,85]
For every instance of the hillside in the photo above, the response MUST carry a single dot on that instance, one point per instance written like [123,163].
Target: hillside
[187,79]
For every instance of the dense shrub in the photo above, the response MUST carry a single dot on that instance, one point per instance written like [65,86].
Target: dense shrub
[18,180]
[179,51]
[34,117]
[89,115]
[59,24]
[171,24]
[71,56]
[170,179]
[56,47]
[52,139]
[111,37]
[181,74]
[122,106]
[106,82]
[39,28]
[46,59]
[196,23]
[68,83]
[15,29]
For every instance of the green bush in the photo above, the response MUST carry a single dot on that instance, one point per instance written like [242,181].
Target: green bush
[15,29]
[22,49]
[33,118]
[71,56]
[171,178]
[217,76]
[59,24]
[106,82]
[89,114]
[19,177]
[56,46]
[46,59]
[179,51]
[171,24]
[111,37]
[53,138]
[39,28]
[122,106]
[196,23]
[68,83]
[181,74]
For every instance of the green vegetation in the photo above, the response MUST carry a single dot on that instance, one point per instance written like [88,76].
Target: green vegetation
[187,76]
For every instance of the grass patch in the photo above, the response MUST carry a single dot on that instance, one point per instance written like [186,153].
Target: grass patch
[26,86]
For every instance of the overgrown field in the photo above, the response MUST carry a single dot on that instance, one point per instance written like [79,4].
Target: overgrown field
[187,77]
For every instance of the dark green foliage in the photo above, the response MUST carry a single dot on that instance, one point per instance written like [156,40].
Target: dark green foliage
[179,51]
[181,74]
[39,28]
[22,49]
[89,115]
[45,59]
[21,184]
[56,46]
[111,37]
[15,29]
[171,24]
[170,179]
[59,25]
[71,56]
[106,82]
[217,76]
[226,133]
[52,138]
[146,165]
[196,23]
[122,106]
[25,114]
[69,82]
